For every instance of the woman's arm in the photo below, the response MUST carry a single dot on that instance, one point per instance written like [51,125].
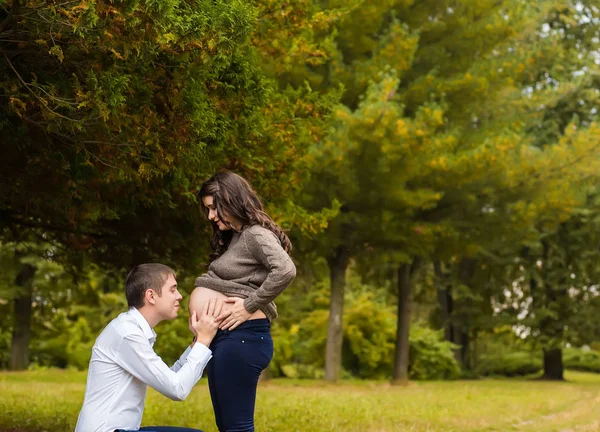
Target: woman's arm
[266,249]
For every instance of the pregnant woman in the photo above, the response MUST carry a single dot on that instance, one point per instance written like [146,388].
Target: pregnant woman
[249,267]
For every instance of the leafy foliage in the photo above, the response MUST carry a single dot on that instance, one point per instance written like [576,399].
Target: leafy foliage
[509,364]
[431,356]
[464,135]
[582,360]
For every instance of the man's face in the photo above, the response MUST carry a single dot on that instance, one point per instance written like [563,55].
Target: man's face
[167,304]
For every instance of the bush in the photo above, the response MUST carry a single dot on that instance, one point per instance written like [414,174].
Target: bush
[283,353]
[369,337]
[5,342]
[79,347]
[369,343]
[580,359]
[49,342]
[524,363]
[51,352]
[509,364]
[431,357]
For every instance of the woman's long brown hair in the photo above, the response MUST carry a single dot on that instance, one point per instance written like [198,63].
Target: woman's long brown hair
[233,195]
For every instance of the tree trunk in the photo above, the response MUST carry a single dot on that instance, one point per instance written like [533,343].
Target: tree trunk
[406,274]
[444,300]
[338,263]
[19,355]
[461,325]
[455,331]
[553,327]
[553,364]
[461,338]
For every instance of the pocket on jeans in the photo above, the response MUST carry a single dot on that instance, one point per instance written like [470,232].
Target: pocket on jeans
[268,351]
[265,348]
[258,345]
[246,336]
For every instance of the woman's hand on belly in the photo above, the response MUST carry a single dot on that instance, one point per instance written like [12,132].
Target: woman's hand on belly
[237,314]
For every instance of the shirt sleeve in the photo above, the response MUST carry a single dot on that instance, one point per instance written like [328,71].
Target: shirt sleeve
[181,360]
[267,250]
[138,358]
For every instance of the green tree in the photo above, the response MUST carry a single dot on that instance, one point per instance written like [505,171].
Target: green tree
[430,153]
[563,100]
[112,114]
[407,152]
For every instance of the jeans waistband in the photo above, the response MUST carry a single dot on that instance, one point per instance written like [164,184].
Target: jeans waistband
[260,324]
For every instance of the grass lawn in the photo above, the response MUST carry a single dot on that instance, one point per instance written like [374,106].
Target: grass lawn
[50,401]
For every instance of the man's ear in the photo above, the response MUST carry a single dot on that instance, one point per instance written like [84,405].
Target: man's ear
[150,296]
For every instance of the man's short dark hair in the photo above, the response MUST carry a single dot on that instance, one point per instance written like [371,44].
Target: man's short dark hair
[142,278]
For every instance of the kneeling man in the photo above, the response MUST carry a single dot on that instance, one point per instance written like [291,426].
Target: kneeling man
[124,363]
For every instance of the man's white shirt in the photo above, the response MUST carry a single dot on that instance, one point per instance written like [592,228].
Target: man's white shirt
[123,364]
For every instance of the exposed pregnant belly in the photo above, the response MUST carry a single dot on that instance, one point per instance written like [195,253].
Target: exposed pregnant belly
[201,295]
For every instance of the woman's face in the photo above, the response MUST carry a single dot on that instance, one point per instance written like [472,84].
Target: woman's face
[223,225]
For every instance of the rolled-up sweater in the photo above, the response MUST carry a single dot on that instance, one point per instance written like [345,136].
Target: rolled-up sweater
[254,267]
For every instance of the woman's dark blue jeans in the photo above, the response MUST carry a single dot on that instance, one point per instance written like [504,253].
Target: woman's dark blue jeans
[239,356]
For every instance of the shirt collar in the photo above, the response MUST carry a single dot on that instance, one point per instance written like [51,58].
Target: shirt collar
[148,331]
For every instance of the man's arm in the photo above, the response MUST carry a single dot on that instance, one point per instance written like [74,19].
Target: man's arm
[202,331]
[181,361]
[138,358]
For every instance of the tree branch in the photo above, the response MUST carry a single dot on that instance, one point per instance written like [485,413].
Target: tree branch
[9,217]
[42,101]
[4,24]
